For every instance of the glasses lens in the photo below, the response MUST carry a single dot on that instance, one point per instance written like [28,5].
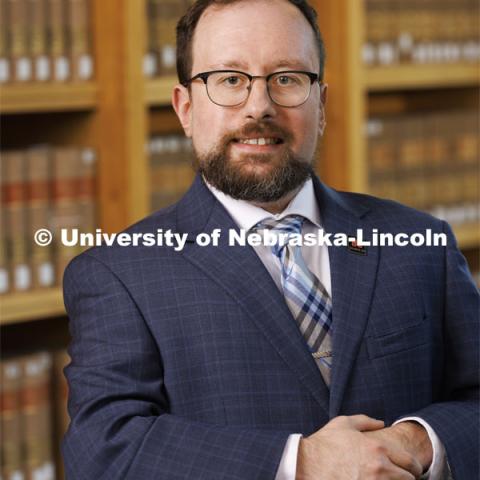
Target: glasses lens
[289,89]
[227,88]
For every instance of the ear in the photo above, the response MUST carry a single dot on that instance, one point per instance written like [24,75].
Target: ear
[323,102]
[182,105]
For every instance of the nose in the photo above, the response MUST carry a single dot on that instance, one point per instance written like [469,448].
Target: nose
[259,105]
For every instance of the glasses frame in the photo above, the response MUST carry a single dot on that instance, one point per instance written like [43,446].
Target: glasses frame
[314,77]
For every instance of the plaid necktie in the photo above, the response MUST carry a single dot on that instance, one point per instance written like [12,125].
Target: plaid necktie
[305,295]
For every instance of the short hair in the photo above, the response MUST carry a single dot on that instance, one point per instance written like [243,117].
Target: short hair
[187,24]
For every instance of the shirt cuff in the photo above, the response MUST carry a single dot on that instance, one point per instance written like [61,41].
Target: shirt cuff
[287,469]
[438,465]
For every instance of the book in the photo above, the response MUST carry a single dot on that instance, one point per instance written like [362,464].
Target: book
[429,161]
[50,188]
[5,74]
[34,417]
[15,201]
[166,17]
[160,42]
[171,172]
[4,257]
[420,32]
[38,214]
[80,39]
[60,393]
[35,404]
[37,26]
[65,209]
[57,34]
[17,25]
[85,194]
[152,54]
[11,420]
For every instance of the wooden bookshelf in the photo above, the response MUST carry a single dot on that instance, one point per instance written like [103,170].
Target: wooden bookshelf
[120,117]
[28,306]
[158,92]
[48,97]
[415,77]
[116,113]
[357,91]
[468,235]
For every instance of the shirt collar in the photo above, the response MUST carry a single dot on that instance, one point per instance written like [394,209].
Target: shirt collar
[247,215]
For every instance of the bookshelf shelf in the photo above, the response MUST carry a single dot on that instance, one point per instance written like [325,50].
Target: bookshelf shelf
[36,305]
[158,92]
[413,77]
[468,235]
[48,97]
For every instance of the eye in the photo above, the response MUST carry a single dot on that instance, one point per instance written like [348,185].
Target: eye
[285,80]
[231,80]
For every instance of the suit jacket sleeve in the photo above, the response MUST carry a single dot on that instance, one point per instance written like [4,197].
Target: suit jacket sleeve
[456,419]
[121,423]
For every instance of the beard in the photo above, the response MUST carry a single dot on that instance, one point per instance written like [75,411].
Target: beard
[250,184]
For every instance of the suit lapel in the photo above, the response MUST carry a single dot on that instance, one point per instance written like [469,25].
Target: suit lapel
[353,279]
[241,273]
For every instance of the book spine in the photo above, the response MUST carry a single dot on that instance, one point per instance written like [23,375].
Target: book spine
[57,37]
[421,31]
[185,172]
[150,61]
[171,171]
[18,40]
[86,192]
[4,263]
[66,212]
[5,70]
[80,44]
[433,162]
[38,40]
[11,420]
[15,196]
[37,419]
[60,360]
[38,188]
[167,15]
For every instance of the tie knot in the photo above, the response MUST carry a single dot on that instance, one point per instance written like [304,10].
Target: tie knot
[289,224]
[285,227]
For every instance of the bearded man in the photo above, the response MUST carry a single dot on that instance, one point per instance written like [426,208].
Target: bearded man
[265,362]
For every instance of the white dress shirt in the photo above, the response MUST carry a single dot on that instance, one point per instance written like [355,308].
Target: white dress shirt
[247,215]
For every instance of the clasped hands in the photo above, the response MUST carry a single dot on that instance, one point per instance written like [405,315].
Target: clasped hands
[359,448]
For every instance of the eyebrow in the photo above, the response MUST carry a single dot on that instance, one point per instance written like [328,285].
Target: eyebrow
[296,65]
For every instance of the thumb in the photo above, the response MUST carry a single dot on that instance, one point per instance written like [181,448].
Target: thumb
[363,423]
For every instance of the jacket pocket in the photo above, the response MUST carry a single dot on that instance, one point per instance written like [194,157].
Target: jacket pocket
[398,341]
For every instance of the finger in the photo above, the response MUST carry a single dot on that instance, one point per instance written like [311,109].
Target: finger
[404,460]
[397,473]
[363,423]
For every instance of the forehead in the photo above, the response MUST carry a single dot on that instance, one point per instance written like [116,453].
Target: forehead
[254,35]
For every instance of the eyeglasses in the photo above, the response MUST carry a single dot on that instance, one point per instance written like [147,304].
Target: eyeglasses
[231,88]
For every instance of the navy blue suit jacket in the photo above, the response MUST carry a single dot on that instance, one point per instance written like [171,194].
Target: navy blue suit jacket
[188,365]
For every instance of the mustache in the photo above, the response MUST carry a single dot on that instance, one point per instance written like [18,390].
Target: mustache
[260,129]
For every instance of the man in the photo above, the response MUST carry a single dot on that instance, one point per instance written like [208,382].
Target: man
[208,363]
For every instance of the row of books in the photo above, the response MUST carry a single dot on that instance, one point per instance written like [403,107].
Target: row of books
[171,169]
[33,393]
[421,31]
[42,188]
[428,161]
[162,17]
[45,40]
